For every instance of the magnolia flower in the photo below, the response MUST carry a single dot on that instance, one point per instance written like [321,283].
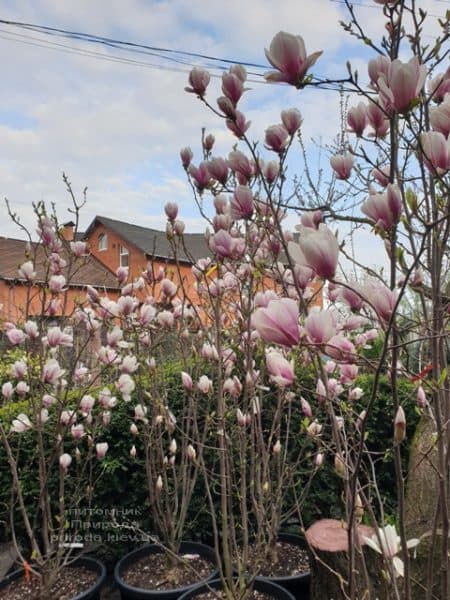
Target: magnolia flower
[218,169]
[291,119]
[65,461]
[52,372]
[126,386]
[342,165]
[26,271]
[280,369]
[401,85]
[19,369]
[357,119]
[436,151]
[204,384]
[287,54]
[400,425]
[7,390]
[276,138]
[320,326]
[278,323]
[101,450]
[198,81]
[320,248]
[15,336]
[384,209]
[387,542]
[21,423]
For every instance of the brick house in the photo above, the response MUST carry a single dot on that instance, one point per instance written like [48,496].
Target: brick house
[115,243]
[16,293]
[112,244]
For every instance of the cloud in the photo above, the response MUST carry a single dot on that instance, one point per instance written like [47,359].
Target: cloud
[118,128]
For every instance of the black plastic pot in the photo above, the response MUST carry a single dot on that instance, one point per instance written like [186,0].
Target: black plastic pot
[129,592]
[298,585]
[93,593]
[262,585]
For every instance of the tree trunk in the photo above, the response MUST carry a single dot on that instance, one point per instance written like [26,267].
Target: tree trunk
[422,493]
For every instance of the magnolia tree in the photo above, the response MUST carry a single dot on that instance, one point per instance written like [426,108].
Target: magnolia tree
[60,415]
[393,161]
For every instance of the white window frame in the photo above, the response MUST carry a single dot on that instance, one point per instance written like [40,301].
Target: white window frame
[123,252]
[103,242]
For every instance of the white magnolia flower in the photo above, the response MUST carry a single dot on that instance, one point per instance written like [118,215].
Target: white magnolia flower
[390,546]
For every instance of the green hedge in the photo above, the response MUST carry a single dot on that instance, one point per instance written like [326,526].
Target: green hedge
[122,483]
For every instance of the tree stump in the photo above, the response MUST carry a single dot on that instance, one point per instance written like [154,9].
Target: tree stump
[328,543]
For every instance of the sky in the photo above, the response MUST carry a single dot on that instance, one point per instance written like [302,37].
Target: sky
[117,128]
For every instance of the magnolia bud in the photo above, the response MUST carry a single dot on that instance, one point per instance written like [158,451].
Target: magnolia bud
[133,429]
[339,465]
[277,448]
[421,397]
[400,425]
[133,451]
[319,459]
[191,453]
[359,507]
[173,447]
[64,461]
[159,483]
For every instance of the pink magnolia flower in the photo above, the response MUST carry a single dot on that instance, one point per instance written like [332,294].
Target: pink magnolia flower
[439,86]
[278,323]
[209,142]
[198,82]
[287,54]
[232,87]
[381,298]
[342,165]
[65,461]
[186,156]
[218,169]
[87,404]
[306,407]
[292,120]
[78,248]
[352,297]
[378,67]
[101,450]
[77,431]
[382,175]
[320,326]
[357,119]
[21,423]
[239,163]
[340,348]
[270,171]
[320,249]
[281,371]
[436,151]
[237,124]
[22,388]
[56,283]
[421,397]
[226,106]
[401,85]
[348,373]
[440,116]
[26,271]
[15,336]
[200,175]
[126,386]
[7,390]
[242,203]
[52,372]
[276,138]
[377,119]
[384,209]
[204,384]
[311,219]
[55,337]
[31,329]
[186,380]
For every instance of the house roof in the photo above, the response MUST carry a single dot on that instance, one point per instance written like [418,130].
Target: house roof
[154,243]
[89,271]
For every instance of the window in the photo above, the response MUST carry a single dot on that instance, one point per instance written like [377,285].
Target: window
[103,241]
[123,253]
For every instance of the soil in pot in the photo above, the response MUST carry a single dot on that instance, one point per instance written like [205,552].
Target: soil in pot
[72,581]
[161,572]
[263,589]
[292,560]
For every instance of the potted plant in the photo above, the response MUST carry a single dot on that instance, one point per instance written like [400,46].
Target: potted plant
[51,426]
